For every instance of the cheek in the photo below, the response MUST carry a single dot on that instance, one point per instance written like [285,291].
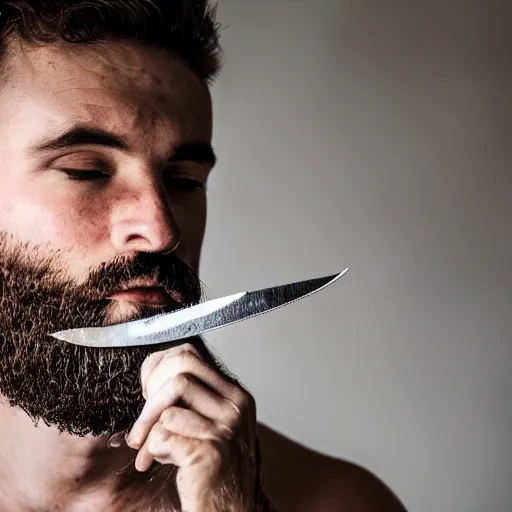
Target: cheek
[45,218]
[192,222]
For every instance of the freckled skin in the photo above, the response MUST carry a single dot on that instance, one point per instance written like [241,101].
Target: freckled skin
[145,95]
[153,101]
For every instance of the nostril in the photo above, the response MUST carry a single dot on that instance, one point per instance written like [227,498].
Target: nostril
[144,232]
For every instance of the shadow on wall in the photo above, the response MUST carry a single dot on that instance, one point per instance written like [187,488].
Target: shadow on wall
[376,134]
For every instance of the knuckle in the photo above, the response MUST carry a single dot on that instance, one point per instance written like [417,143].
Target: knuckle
[241,406]
[187,347]
[245,401]
[173,352]
[182,382]
[168,416]
[181,361]
[186,362]
[167,394]
[152,361]
[154,442]
[233,415]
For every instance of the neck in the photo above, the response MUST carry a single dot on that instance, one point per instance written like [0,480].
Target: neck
[43,469]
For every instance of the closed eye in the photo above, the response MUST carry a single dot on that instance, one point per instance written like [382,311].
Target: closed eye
[178,183]
[85,175]
[184,184]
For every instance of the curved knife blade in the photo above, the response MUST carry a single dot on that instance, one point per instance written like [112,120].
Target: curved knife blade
[204,317]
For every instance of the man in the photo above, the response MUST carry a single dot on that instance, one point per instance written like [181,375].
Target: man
[105,152]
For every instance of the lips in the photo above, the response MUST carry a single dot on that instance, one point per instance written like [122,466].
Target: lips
[148,293]
[152,296]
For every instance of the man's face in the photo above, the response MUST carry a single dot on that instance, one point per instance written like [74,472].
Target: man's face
[104,153]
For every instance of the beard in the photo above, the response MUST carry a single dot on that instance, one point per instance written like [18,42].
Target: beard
[79,390]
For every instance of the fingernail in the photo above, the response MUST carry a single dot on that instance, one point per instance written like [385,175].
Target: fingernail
[133,439]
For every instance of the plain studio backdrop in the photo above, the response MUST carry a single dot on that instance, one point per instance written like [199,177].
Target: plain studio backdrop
[376,136]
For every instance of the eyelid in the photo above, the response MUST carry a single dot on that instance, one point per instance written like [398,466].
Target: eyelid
[77,169]
[82,160]
[190,169]
[85,174]
[184,184]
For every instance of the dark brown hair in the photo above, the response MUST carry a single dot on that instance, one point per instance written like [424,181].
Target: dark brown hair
[185,27]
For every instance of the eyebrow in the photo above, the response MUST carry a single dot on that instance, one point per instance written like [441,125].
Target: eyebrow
[83,135]
[195,152]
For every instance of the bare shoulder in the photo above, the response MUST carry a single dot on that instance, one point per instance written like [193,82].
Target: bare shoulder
[298,479]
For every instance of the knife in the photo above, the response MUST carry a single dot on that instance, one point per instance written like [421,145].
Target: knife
[195,320]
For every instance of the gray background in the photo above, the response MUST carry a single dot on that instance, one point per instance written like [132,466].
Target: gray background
[374,135]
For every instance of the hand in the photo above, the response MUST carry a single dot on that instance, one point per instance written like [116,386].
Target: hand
[204,424]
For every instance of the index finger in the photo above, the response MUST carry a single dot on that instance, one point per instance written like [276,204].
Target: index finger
[152,361]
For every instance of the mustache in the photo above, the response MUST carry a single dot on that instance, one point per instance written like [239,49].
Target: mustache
[167,271]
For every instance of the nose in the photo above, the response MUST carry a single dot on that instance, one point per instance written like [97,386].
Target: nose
[143,221]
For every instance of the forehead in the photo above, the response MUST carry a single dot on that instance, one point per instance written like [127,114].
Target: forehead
[136,91]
